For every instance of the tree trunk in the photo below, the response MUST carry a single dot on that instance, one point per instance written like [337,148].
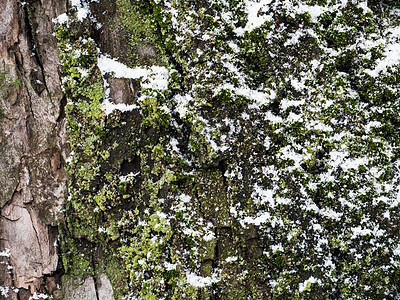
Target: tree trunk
[216,149]
[32,146]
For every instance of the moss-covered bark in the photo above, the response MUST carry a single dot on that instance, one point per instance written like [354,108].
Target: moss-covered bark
[255,157]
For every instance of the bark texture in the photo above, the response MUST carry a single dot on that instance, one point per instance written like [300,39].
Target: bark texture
[224,149]
[233,149]
[32,147]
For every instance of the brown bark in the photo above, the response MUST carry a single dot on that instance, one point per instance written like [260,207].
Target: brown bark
[32,145]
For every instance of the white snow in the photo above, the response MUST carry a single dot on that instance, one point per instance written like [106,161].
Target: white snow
[37,296]
[200,281]
[168,266]
[358,231]
[209,236]
[305,284]
[285,103]
[255,16]
[258,220]
[63,18]
[174,144]
[185,198]
[277,248]
[153,78]
[315,11]
[5,253]
[391,51]
[189,231]
[364,6]
[330,214]
[119,70]
[128,177]
[108,107]
[231,259]
[397,250]
[183,102]
[354,163]
[4,291]
[392,57]
[82,10]
[157,78]
[265,196]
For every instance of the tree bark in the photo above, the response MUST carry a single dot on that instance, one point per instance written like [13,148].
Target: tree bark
[216,149]
[33,146]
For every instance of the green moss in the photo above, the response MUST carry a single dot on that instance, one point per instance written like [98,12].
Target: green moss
[155,114]
[142,255]
[116,275]
[142,36]
[156,209]
[86,206]
[77,260]
[7,82]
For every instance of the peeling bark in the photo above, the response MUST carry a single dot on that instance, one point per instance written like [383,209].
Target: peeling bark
[32,145]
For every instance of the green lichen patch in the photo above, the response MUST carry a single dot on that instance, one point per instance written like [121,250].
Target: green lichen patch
[7,84]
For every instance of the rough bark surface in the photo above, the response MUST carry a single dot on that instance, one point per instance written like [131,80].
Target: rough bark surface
[232,149]
[32,147]
[224,149]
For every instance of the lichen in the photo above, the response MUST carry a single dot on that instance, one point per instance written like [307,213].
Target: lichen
[7,82]
[266,169]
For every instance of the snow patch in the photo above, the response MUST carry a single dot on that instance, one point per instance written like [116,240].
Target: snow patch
[5,253]
[82,9]
[37,296]
[200,281]
[63,18]
[231,259]
[304,285]
[153,78]
[119,70]
[255,16]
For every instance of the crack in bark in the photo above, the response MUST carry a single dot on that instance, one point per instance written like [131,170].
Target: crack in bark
[170,55]
[214,262]
[18,58]
[31,34]
[95,287]
[24,207]
[29,208]
[11,272]
[62,114]
[17,188]
[8,219]
[222,168]
[196,194]
[30,109]
[95,279]
[15,191]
